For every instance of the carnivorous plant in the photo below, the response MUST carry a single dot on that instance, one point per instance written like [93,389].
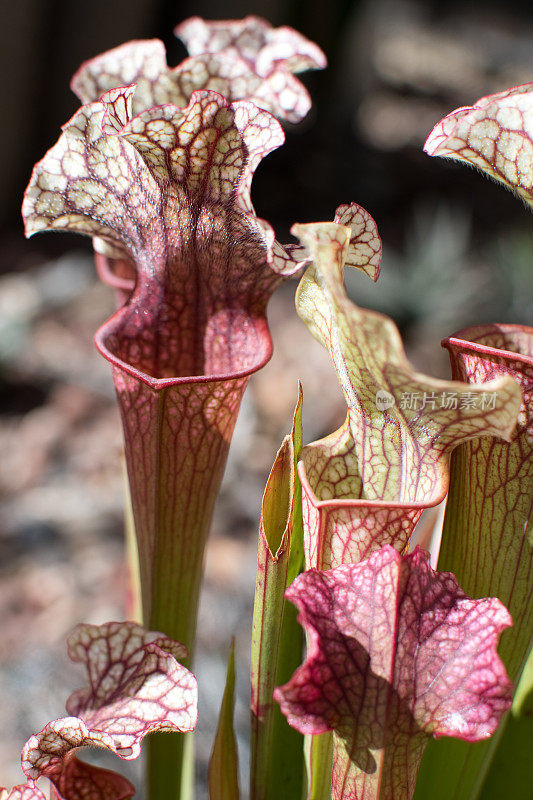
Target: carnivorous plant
[156,166]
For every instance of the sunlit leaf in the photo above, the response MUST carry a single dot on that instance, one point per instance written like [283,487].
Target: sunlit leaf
[487,536]
[256,63]
[495,135]
[366,484]
[396,653]
[272,54]
[135,687]
[24,791]
[169,191]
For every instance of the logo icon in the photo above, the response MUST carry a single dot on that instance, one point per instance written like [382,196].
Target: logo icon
[384,400]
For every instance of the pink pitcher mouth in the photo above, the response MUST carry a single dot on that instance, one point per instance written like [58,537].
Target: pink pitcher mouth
[502,341]
[254,352]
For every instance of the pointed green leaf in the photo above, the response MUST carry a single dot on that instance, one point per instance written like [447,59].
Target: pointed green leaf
[277,753]
[296,555]
[223,765]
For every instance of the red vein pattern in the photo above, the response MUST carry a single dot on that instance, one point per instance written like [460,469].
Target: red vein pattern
[367,483]
[76,780]
[177,438]
[487,537]
[495,135]
[136,687]
[253,62]
[25,791]
[340,528]
[487,534]
[396,653]
[273,54]
[259,71]
[363,251]
[169,190]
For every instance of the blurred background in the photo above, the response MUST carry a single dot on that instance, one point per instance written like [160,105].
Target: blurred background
[457,251]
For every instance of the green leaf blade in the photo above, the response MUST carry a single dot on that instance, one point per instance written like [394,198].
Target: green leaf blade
[277,750]
[510,772]
[223,764]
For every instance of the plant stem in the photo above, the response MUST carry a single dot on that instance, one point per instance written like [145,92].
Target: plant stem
[177,438]
[320,763]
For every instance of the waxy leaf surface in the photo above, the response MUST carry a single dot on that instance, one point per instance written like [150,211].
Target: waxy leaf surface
[396,653]
[487,539]
[167,193]
[367,483]
[24,791]
[170,190]
[272,54]
[135,686]
[495,135]
[73,779]
[260,70]
[262,75]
